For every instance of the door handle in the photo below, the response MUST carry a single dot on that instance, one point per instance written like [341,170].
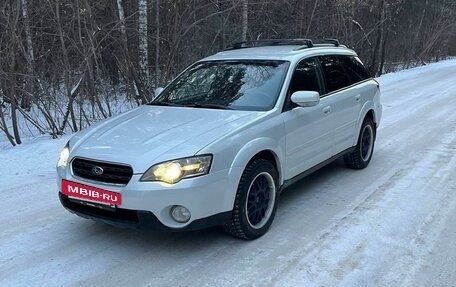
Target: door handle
[326,109]
[358,98]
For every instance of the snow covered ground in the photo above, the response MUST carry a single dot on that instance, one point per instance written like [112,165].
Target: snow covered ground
[392,224]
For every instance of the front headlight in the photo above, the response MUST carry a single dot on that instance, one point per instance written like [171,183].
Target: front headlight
[175,170]
[64,155]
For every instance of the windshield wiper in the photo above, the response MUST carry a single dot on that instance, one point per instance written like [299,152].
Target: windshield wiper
[208,105]
[160,103]
[192,105]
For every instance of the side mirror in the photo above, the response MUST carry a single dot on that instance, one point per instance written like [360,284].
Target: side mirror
[158,91]
[306,98]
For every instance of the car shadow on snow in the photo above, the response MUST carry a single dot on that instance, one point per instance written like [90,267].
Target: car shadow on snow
[305,201]
[313,182]
[123,237]
[291,198]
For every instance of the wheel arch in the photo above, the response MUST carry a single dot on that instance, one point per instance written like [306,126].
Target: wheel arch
[239,225]
[264,148]
[367,112]
[371,114]
[270,156]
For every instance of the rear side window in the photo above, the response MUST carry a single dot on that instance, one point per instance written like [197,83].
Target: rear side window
[354,68]
[335,76]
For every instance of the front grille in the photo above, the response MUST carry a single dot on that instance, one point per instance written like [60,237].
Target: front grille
[111,173]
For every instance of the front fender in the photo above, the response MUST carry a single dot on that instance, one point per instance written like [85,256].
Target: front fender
[242,158]
[249,150]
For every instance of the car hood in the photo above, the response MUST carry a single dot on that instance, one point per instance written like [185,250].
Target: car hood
[151,134]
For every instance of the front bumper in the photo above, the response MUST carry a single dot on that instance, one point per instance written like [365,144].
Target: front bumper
[138,219]
[209,199]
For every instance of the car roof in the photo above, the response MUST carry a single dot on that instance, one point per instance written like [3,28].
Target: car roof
[282,52]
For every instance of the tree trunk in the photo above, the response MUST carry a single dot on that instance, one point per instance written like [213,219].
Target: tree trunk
[157,44]
[28,33]
[143,47]
[123,30]
[91,60]
[4,127]
[415,44]
[13,103]
[70,92]
[383,54]
[374,60]
[311,18]
[125,64]
[245,19]
[12,79]
[25,101]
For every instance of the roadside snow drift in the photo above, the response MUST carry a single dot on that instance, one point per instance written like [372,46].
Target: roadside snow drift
[392,224]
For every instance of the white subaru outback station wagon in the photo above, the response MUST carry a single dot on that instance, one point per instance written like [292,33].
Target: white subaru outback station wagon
[219,143]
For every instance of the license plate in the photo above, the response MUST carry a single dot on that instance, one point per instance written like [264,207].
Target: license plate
[90,193]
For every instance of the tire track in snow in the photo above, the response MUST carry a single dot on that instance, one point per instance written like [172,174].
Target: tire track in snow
[337,227]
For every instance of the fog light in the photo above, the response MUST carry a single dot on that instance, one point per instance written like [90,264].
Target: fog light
[180,214]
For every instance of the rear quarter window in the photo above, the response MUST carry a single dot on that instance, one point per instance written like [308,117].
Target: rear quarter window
[335,76]
[354,68]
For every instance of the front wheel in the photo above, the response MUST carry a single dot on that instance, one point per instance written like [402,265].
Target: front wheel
[360,157]
[256,201]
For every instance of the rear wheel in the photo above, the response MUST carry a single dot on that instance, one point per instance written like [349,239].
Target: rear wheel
[256,201]
[360,157]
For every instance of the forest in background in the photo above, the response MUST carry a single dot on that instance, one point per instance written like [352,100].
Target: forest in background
[65,64]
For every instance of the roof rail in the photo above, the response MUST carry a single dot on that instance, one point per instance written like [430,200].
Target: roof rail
[325,42]
[304,43]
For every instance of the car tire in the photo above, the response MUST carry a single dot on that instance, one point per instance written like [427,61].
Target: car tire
[360,157]
[256,201]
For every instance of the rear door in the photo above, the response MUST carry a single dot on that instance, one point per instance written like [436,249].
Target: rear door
[341,86]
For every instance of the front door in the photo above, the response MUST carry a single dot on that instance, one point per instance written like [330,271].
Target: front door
[308,129]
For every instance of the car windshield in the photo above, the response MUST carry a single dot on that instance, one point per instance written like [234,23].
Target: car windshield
[237,85]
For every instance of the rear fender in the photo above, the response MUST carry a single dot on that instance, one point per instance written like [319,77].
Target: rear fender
[368,106]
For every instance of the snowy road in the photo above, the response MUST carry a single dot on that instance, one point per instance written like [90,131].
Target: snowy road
[392,224]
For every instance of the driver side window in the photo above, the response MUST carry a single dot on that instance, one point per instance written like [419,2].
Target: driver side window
[305,78]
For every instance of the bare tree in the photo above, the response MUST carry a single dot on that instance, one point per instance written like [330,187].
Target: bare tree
[14,18]
[125,63]
[157,43]
[4,127]
[64,64]
[70,90]
[25,102]
[143,46]
[245,19]
[311,18]
[123,30]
